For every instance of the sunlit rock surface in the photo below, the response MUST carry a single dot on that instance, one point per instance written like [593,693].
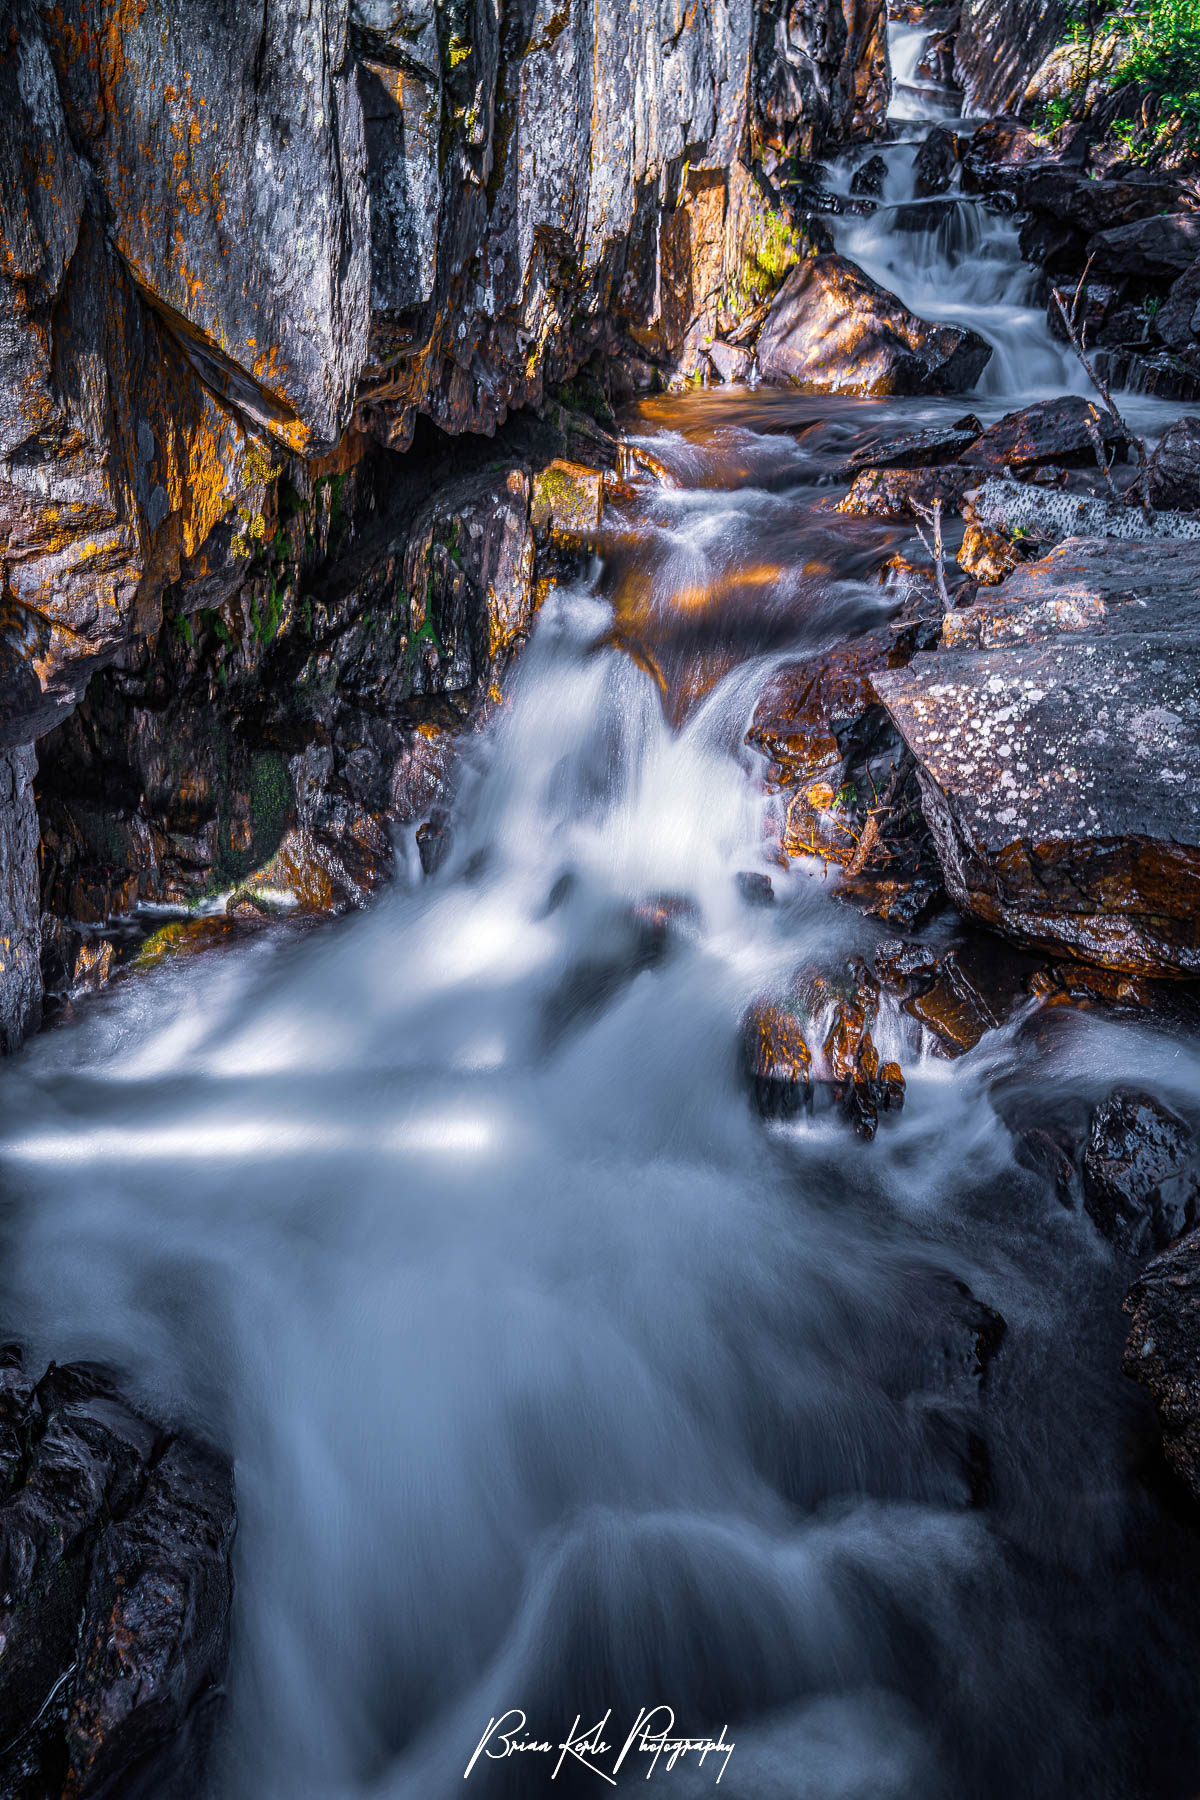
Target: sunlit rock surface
[832,329]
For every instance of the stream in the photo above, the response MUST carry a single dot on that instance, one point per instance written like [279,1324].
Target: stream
[558,1380]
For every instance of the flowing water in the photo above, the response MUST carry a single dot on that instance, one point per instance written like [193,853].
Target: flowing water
[557,1380]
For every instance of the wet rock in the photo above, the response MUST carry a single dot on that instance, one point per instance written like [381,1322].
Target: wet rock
[1051,431]
[900,966]
[869,177]
[1155,249]
[820,74]
[1057,780]
[434,841]
[732,362]
[1050,517]
[919,449]
[832,329]
[755,888]
[777,1060]
[115,1542]
[1163,1350]
[1175,467]
[1140,1184]
[986,555]
[900,493]
[806,705]
[937,162]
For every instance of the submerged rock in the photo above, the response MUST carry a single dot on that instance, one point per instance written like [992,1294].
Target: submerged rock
[115,1541]
[1140,1184]
[831,329]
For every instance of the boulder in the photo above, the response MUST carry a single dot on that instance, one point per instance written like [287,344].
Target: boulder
[1159,248]
[1163,1350]
[898,493]
[567,498]
[731,362]
[1060,778]
[832,329]
[918,449]
[115,1540]
[999,49]
[1175,466]
[1140,1185]
[1050,431]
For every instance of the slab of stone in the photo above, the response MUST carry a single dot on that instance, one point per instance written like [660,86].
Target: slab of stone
[1061,782]
[1085,585]
[1050,517]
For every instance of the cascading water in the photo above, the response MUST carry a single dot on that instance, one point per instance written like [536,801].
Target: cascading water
[555,1379]
[949,257]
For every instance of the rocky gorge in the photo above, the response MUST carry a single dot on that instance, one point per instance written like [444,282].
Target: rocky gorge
[679,529]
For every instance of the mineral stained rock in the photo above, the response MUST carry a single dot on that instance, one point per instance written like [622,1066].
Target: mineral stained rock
[832,329]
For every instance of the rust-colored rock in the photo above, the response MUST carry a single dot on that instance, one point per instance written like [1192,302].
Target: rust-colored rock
[900,493]
[986,555]
[777,1059]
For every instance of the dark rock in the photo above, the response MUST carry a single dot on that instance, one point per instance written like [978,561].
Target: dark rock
[1051,431]
[434,841]
[1177,320]
[1154,249]
[898,493]
[115,1543]
[1089,206]
[1175,467]
[869,178]
[832,329]
[20,936]
[993,156]
[1163,1350]
[755,888]
[937,162]
[820,74]
[1140,1186]
[918,449]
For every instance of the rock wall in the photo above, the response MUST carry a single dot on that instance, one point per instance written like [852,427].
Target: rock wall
[1000,48]
[231,231]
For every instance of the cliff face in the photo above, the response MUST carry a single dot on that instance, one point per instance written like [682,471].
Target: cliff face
[232,230]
